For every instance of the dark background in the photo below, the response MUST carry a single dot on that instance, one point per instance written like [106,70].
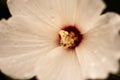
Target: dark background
[112,6]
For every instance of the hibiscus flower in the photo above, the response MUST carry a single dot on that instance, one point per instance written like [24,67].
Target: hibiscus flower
[59,40]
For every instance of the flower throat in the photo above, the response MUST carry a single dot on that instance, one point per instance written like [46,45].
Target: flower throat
[70,37]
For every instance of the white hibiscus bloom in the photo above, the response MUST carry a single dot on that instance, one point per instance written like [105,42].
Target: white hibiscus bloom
[59,40]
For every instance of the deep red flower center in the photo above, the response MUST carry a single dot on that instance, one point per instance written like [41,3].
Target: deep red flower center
[70,37]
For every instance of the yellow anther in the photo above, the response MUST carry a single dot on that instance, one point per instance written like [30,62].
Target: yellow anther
[67,39]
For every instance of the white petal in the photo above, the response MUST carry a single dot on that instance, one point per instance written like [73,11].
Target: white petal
[41,9]
[106,34]
[82,13]
[20,66]
[14,6]
[59,65]
[94,64]
[23,66]
[88,12]
[64,10]
[100,51]
[21,35]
